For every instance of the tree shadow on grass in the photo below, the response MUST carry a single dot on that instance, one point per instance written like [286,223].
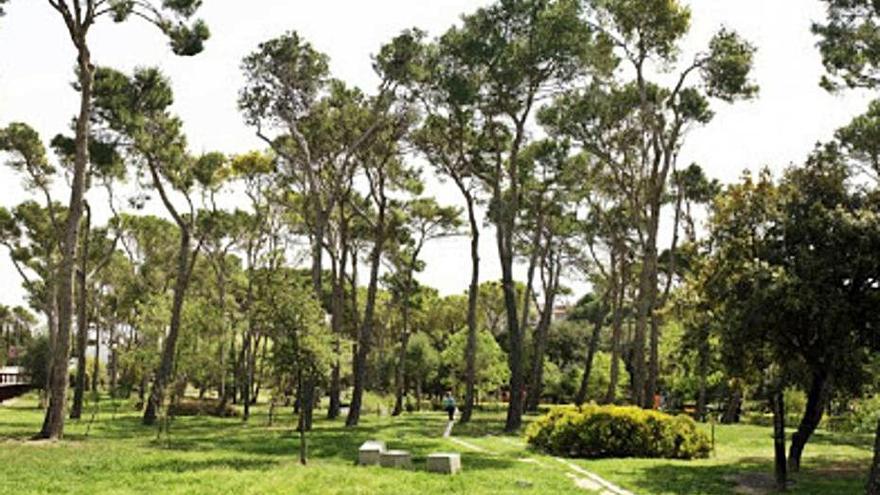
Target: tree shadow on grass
[750,475]
[858,441]
[235,464]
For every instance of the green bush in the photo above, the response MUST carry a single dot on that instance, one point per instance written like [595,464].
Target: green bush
[592,431]
[202,407]
[861,418]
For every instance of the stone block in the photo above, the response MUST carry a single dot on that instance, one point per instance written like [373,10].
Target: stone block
[395,459]
[446,463]
[370,452]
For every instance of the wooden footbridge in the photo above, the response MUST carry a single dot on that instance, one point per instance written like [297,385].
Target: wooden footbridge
[14,381]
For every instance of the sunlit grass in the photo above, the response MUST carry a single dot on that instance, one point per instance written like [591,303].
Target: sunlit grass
[212,456]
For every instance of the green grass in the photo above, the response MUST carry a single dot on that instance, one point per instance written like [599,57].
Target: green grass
[212,456]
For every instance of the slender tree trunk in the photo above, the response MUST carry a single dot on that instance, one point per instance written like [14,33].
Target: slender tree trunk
[82,319]
[817,398]
[166,368]
[96,366]
[703,371]
[617,329]
[400,374]
[874,477]
[581,395]
[536,383]
[303,445]
[53,424]
[112,365]
[473,295]
[515,357]
[778,406]
[365,333]
[338,306]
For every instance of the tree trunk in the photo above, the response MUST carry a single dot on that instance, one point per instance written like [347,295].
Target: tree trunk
[617,330]
[778,406]
[874,478]
[817,398]
[82,321]
[473,295]
[581,395]
[53,424]
[166,368]
[702,371]
[536,388]
[365,333]
[515,357]
[96,366]
[338,306]
[112,365]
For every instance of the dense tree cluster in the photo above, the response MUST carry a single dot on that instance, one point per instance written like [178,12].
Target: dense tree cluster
[558,122]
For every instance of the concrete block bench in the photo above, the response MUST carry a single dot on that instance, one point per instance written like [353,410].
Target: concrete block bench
[395,459]
[370,452]
[446,463]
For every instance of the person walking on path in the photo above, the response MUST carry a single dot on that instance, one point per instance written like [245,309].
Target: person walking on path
[449,405]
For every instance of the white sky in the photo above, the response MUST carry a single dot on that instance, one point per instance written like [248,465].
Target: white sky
[37,59]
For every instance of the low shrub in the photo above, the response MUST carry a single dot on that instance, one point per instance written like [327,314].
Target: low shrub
[592,431]
[202,407]
[861,417]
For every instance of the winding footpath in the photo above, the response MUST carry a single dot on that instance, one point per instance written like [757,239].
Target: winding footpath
[581,477]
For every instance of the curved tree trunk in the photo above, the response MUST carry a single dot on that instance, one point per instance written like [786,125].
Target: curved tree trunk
[817,398]
[581,395]
[166,368]
[365,333]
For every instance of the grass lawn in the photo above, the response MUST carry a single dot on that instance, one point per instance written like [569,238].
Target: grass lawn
[213,456]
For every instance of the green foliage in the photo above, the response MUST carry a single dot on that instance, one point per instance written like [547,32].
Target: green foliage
[36,359]
[848,43]
[593,431]
[862,417]
[491,361]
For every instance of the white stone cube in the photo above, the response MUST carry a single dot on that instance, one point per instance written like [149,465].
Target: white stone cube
[446,463]
[370,452]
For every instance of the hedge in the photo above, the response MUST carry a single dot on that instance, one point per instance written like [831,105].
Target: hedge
[592,431]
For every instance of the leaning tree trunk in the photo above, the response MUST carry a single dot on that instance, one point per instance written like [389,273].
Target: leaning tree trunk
[53,424]
[874,478]
[365,333]
[473,294]
[536,381]
[163,374]
[817,398]
[82,321]
[581,395]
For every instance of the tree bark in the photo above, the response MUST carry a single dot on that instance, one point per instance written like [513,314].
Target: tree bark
[617,329]
[53,424]
[593,347]
[778,406]
[365,333]
[473,295]
[82,333]
[166,368]
[536,382]
[817,398]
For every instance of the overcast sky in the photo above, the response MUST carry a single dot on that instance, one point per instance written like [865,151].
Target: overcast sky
[37,59]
